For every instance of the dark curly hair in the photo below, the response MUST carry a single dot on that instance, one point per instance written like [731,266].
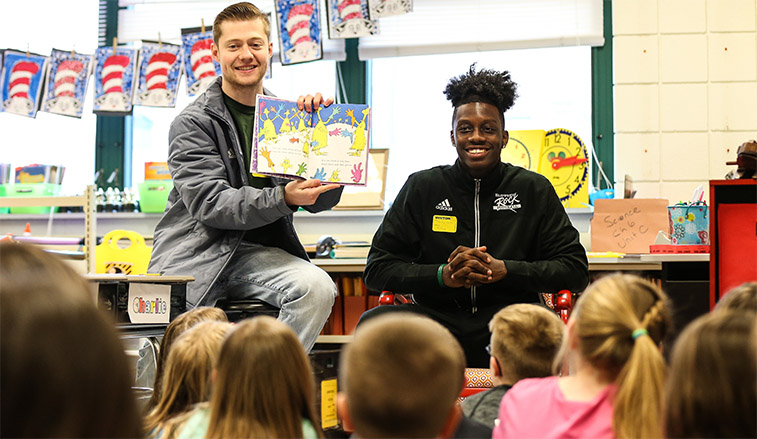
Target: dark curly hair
[489,86]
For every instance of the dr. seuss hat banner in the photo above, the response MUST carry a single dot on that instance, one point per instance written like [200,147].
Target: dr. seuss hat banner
[199,64]
[114,79]
[387,8]
[21,82]
[349,19]
[66,83]
[160,69]
[299,30]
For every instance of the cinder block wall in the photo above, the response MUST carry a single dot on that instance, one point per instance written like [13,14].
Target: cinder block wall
[685,85]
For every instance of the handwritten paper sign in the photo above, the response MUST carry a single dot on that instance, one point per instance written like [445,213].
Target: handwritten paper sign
[628,225]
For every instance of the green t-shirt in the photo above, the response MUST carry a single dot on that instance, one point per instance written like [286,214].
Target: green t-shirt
[244,120]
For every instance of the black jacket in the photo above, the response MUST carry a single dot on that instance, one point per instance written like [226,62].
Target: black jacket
[514,212]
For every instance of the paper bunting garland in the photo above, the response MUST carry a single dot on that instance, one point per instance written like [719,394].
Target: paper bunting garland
[299,31]
[66,83]
[160,67]
[21,83]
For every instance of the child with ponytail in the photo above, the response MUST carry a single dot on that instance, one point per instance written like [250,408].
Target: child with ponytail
[615,388]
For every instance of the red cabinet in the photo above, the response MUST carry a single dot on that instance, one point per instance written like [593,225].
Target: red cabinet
[733,235]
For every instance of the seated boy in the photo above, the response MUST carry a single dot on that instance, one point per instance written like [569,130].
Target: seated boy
[525,339]
[400,377]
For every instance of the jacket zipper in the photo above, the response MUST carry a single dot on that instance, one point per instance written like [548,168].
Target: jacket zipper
[476,239]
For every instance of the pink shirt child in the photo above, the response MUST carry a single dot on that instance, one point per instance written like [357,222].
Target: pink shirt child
[536,408]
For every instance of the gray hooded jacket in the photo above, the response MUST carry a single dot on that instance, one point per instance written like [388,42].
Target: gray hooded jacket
[212,205]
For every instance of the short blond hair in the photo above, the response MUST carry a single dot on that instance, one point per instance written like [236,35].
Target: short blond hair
[740,298]
[243,11]
[525,340]
[401,374]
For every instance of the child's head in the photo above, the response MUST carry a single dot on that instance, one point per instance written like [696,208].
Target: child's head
[525,339]
[178,326]
[741,298]
[401,376]
[712,386]
[264,383]
[186,380]
[617,327]
[64,370]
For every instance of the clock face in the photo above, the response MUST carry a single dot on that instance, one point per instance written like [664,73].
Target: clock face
[565,161]
[517,154]
[523,148]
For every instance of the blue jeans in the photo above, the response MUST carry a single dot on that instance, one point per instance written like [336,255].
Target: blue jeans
[304,293]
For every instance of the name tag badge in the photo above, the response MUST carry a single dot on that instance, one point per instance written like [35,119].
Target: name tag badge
[444,224]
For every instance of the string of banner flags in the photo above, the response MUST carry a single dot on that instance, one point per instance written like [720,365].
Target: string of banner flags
[149,76]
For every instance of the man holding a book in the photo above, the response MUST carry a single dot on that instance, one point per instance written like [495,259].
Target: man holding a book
[468,239]
[230,229]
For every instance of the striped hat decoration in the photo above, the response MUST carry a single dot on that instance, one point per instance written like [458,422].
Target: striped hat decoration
[65,78]
[21,82]
[298,24]
[350,9]
[20,79]
[203,68]
[156,74]
[113,73]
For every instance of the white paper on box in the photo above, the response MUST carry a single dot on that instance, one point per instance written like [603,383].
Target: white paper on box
[149,303]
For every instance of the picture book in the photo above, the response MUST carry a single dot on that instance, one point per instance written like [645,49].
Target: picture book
[330,144]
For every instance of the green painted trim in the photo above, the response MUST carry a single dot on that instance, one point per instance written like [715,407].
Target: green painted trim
[602,99]
[354,76]
[113,135]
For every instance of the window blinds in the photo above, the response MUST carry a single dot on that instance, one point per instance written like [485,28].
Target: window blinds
[454,26]
[144,19]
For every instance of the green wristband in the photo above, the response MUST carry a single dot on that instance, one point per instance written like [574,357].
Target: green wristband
[439,275]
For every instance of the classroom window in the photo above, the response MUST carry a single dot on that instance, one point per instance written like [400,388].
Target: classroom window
[412,117]
[50,138]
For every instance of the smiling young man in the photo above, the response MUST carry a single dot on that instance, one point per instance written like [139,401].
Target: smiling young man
[230,229]
[470,238]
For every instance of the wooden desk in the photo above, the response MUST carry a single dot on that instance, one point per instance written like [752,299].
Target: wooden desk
[595,264]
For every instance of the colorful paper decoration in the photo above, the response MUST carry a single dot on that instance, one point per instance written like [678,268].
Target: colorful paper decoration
[199,65]
[349,19]
[21,82]
[160,67]
[299,30]
[114,79]
[388,8]
[66,83]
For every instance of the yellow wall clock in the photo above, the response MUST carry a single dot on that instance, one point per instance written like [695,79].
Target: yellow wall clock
[524,149]
[565,162]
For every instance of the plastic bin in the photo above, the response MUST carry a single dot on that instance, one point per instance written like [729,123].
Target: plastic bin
[112,258]
[153,195]
[30,190]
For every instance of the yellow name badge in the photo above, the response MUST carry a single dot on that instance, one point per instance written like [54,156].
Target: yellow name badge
[444,224]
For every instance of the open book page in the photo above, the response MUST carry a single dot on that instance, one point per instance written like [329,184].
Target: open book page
[330,144]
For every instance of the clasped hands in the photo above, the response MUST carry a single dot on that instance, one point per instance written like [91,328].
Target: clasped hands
[472,266]
[306,192]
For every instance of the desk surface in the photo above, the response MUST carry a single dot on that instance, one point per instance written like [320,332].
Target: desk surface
[138,278]
[595,264]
